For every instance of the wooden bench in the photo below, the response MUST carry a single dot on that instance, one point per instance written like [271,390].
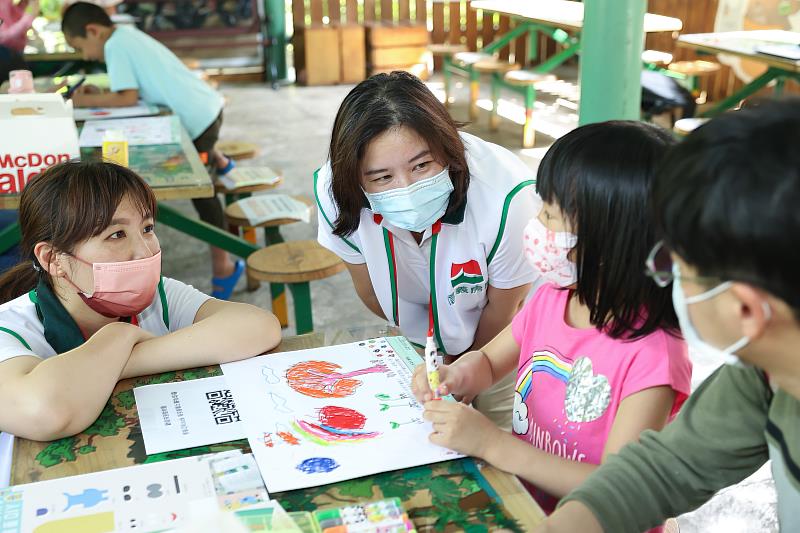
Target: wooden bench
[295,264]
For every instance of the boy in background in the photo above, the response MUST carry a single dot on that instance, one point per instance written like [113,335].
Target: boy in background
[139,67]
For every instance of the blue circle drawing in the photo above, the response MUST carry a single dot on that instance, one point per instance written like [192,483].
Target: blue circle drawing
[317,465]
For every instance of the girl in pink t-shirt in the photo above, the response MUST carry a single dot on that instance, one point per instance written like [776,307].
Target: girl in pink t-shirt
[597,348]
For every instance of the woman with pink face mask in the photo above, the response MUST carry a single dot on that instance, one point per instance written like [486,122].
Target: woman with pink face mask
[597,348]
[87,306]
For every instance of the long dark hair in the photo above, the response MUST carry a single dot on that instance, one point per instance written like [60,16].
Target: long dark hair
[65,205]
[600,176]
[374,106]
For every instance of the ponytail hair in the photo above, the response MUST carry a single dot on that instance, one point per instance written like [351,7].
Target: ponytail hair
[66,205]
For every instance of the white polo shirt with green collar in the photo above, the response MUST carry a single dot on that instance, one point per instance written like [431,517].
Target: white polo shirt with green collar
[476,246]
[36,324]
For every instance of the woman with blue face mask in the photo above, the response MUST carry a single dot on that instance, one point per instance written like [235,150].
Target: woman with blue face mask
[428,220]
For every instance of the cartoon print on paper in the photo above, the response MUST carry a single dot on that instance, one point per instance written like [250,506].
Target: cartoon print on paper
[335,425]
[88,498]
[322,379]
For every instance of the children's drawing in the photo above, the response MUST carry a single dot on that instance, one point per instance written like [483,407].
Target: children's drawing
[279,403]
[395,425]
[269,375]
[317,465]
[88,498]
[286,435]
[321,379]
[337,412]
[336,425]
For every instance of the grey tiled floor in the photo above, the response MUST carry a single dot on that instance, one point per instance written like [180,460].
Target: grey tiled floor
[292,128]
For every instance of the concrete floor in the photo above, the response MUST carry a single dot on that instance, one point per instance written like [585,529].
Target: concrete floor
[292,128]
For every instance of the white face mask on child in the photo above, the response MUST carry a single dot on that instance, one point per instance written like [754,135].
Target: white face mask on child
[547,251]
[681,302]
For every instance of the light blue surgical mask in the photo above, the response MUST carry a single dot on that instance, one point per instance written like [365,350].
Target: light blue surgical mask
[417,206]
[681,303]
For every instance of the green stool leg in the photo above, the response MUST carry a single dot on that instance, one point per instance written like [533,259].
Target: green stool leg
[301,292]
[447,75]
[528,131]
[474,93]
[272,235]
[493,118]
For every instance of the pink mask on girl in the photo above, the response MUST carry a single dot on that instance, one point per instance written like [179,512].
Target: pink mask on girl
[547,252]
[122,289]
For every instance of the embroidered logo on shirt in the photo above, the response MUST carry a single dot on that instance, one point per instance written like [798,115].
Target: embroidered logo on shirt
[465,278]
[588,395]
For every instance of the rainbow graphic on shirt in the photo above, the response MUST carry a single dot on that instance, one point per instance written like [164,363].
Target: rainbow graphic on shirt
[542,361]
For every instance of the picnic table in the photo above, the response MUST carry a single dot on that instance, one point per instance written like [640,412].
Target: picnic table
[746,44]
[453,495]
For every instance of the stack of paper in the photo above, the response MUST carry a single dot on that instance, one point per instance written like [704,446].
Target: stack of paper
[249,176]
[265,207]
[137,131]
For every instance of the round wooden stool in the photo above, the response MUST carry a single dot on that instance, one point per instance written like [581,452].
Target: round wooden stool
[693,71]
[465,59]
[526,81]
[523,78]
[446,49]
[490,66]
[237,149]
[698,67]
[685,126]
[295,264]
[656,58]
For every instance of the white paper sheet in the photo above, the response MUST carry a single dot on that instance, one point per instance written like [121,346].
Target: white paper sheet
[138,131]
[185,414]
[105,113]
[148,497]
[329,414]
[264,207]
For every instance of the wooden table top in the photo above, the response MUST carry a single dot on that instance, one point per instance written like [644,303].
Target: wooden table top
[115,439]
[173,171]
[565,14]
[743,44]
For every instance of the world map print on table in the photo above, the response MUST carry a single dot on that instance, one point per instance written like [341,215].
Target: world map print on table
[328,414]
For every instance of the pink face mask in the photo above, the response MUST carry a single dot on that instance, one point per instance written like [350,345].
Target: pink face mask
[124,288]
[547,252]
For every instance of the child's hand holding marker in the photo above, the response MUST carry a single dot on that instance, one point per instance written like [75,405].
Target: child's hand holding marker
[464,379]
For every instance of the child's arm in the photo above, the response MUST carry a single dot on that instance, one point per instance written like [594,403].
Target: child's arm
[466,430]
[501,306]
[84,97]
[222,332]
[473,372]
[61,396]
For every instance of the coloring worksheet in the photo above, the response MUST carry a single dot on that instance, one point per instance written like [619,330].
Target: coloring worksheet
[184,414]
[143,498]
[137,131]
[105,113]
[329,414]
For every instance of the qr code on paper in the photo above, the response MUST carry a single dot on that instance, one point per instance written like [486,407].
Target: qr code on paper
[222,407]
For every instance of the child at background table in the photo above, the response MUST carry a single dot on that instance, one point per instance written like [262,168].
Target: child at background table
[139,67]
[88,305]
